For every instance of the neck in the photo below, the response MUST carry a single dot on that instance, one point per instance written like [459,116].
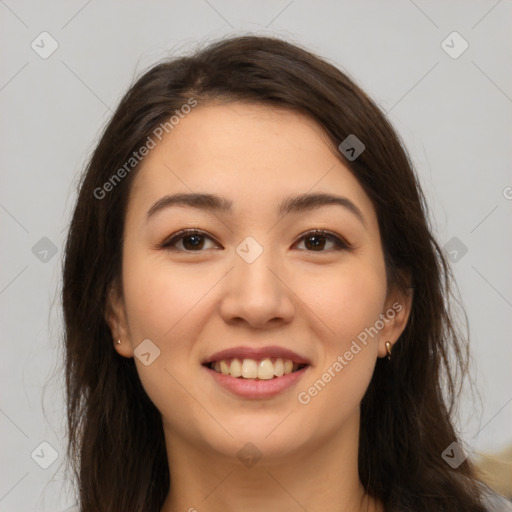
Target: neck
[317,478]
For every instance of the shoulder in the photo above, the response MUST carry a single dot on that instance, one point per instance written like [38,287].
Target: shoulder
[72,508]
[495,502]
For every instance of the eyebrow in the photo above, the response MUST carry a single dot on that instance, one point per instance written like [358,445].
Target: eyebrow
[294,204]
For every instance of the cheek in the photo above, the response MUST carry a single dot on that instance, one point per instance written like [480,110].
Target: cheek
[167,306]
[170,306]
[160,297]
[347,299]
[350,301]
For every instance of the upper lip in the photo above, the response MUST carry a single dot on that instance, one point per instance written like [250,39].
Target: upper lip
[257,354]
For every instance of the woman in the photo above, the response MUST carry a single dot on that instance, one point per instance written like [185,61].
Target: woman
[256,312]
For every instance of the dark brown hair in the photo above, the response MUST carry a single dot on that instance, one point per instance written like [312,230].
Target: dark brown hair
[116,442]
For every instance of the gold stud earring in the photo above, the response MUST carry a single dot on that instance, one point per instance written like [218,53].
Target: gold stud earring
[118,342]
[388,348]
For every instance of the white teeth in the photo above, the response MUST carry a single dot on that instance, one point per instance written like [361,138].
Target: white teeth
[224,368]
[235,369]
[279,367]
[249,369]
[264,369]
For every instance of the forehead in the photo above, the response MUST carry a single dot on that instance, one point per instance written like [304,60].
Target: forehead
[253,154]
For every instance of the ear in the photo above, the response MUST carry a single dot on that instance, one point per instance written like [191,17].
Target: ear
[116,318]
[395,316]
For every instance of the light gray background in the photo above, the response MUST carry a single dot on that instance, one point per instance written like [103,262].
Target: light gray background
[454,116]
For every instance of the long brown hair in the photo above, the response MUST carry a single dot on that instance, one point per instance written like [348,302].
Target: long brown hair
[116,442]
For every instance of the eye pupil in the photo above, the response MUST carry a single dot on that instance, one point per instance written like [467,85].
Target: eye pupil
[197,241]
[318,242]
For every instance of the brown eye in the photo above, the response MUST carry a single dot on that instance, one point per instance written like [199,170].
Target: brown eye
[316,241]
[190,240]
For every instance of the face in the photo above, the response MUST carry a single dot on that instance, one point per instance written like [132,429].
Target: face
[282,271]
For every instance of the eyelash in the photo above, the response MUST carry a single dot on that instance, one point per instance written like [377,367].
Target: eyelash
[340,244]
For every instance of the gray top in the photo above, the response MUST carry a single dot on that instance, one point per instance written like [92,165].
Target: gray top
[495,502]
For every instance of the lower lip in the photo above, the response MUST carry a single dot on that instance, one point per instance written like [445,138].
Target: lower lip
[254,388]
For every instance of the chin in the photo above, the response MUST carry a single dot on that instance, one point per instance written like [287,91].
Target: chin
[262,438]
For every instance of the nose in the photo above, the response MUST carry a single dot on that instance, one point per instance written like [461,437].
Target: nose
[257,293]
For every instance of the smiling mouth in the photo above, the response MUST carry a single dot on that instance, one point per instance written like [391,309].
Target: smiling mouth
[264,369]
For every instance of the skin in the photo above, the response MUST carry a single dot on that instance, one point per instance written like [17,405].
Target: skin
[192,304]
